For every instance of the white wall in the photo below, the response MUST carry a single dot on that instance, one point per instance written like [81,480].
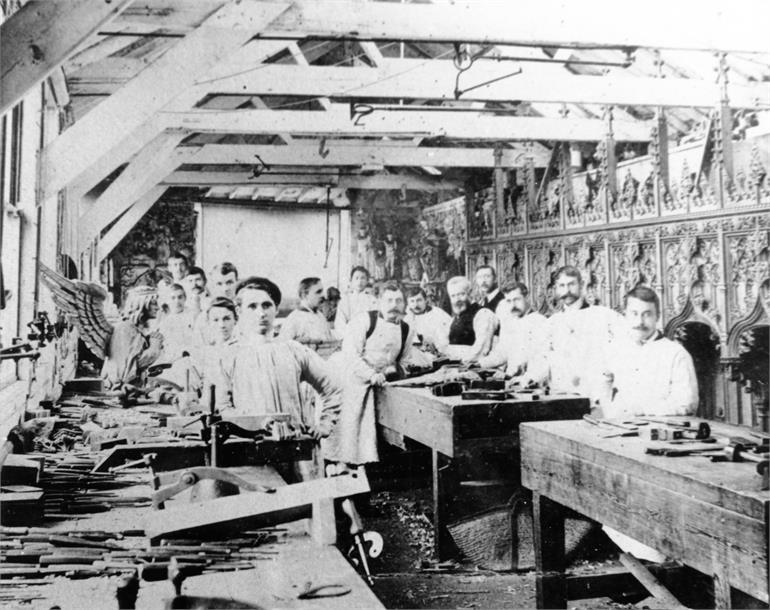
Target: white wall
[281,244]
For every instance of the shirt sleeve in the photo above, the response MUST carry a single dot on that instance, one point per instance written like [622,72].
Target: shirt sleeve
[315,372]
[683,394]
[289,328]
[484,323]
[342,317]
[223,391]
[353,347]
[443,323]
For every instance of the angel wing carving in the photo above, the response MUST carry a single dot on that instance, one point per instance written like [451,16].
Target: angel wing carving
[84,302]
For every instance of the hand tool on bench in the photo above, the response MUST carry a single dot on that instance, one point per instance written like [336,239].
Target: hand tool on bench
[321,591]
[627,429]
[680,432]
[678,449]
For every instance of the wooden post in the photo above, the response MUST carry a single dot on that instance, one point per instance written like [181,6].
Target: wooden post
[499,188]
[724,132]
[443,472]
[551,586]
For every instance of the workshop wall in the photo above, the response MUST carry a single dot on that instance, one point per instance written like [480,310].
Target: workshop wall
[282,244]
[702,241]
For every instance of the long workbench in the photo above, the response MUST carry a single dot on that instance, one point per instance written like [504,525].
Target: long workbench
[470,440]
[711,516]
[56,563]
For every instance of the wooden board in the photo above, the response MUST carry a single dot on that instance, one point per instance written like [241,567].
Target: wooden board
[252,509]
[172,456]
[711,516]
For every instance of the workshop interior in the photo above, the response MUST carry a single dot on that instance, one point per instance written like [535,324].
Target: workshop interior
[384,304]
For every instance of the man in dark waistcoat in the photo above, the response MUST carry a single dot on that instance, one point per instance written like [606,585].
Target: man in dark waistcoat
[473,326]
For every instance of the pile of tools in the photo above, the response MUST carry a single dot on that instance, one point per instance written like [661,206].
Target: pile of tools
[678,438]
[34,556]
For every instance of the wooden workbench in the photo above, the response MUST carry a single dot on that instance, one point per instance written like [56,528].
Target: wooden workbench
[710,516]
[469,439]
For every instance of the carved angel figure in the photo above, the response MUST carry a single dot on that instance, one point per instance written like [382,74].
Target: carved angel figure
[128,347]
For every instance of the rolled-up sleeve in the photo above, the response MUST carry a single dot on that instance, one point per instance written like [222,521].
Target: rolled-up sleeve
[316,372]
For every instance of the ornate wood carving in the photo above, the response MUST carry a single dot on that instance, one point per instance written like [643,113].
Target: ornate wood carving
[749,266]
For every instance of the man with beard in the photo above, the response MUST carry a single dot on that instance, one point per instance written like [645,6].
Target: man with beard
[651,374]
[473,326]
[377,345]
[579,336]
[307,324]
[431,324]
[522,333]
[486,282]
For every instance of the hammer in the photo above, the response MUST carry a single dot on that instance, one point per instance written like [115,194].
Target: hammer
[737,452]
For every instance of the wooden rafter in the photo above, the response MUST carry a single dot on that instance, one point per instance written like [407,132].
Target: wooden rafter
[38,37]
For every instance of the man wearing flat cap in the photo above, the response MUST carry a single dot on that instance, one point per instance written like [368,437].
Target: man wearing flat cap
[261,375]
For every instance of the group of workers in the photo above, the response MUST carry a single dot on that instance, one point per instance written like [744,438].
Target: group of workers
[222,332]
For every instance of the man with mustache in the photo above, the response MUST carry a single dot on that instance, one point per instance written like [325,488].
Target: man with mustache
[522,333]
[431,324]
[377,345]
[651,375]
[486,282]
[579,336]
[473,326]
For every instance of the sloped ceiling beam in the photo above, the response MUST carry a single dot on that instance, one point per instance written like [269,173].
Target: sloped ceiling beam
[136,103]
[41,35]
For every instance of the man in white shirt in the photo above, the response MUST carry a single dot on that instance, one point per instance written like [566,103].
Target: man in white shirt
[377,344]
[651,375]
[223,278]
[431,324]
[486,282]
[522,332]
[307,324]
[177,266]
[579,336]
[473,326]
[177,326]
[358,299]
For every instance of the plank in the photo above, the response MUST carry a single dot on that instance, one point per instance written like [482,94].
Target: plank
[547,23]
[650,582]
[672,519]
[337,122]
[395,79]
[102,129]
[136,182]
[172,456]
[350,155]
[37,38]
[252,509]
[112,238]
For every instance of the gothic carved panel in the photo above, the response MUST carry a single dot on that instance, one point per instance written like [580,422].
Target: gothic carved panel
[633,263]
[748,258]
[512,214]
[590,258]
[510,263]
[692,271]
[481,210]
[544,260]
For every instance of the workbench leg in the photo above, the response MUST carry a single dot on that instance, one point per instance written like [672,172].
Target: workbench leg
[549,552]
[443,483]
[723,597]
